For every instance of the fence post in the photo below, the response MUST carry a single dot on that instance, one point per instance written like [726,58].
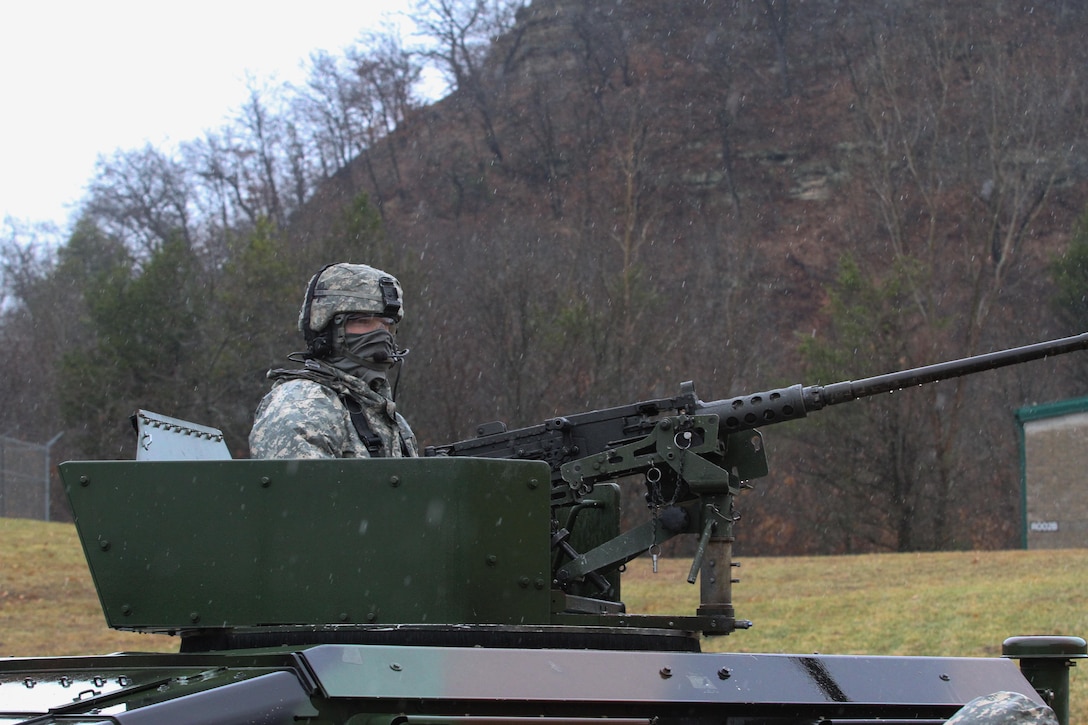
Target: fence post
[48,473]
[19,478]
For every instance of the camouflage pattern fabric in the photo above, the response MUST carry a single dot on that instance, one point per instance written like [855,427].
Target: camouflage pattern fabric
[348,288]
[304,416]
[1003,708]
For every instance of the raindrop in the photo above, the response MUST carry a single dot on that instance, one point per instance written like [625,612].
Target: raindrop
[436,511]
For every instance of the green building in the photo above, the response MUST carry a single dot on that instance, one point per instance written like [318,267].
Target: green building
[1054,474]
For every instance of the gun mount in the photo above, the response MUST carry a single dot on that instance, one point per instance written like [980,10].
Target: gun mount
[695,457]
[475,586]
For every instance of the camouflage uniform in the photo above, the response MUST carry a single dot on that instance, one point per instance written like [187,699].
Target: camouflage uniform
[1003,708]
[306,416]
[308,412]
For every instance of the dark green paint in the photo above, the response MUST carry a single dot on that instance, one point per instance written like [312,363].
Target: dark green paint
[248,543]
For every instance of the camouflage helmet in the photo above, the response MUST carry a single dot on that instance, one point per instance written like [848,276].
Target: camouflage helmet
[343,288]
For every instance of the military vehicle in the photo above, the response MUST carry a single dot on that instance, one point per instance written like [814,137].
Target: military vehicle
[479,585]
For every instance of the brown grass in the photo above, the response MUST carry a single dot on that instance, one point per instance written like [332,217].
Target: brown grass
[48,605]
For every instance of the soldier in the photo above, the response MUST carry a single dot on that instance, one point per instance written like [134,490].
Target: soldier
[340,403]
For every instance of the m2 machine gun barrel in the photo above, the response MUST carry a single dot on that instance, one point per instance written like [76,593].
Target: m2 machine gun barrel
[693,457]
[775,406]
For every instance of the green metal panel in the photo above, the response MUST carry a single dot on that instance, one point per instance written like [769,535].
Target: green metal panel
[199,544]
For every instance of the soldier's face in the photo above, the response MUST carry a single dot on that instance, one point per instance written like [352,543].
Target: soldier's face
[362,324]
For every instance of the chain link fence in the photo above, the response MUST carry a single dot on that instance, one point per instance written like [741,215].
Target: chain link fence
[24,479]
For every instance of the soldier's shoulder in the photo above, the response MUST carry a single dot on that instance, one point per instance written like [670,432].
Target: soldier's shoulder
[292,401]
[301,390]
[299,419]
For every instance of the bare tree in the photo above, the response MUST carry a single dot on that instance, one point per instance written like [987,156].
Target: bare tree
[462,31]
[946,133]
[260,156]
[386,74]
[331,107]
[778,18]
[143,197]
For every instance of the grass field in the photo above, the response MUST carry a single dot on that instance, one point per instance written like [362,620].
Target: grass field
[959,603]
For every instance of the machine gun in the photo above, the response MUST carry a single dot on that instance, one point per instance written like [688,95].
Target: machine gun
[694,457]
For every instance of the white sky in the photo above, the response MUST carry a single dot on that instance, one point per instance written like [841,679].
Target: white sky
[83,78]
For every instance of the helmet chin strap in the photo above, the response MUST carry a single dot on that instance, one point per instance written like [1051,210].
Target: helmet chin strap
[399,366]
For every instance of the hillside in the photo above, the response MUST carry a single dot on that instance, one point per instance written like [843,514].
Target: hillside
[641,139]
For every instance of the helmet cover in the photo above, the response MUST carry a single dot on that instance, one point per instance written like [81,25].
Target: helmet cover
[349,288]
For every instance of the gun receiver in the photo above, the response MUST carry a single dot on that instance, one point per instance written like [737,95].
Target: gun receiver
[694,457]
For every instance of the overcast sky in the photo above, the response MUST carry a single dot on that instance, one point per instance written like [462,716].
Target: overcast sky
[79,79]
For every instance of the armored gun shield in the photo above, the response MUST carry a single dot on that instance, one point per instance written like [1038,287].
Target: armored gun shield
[236,544]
